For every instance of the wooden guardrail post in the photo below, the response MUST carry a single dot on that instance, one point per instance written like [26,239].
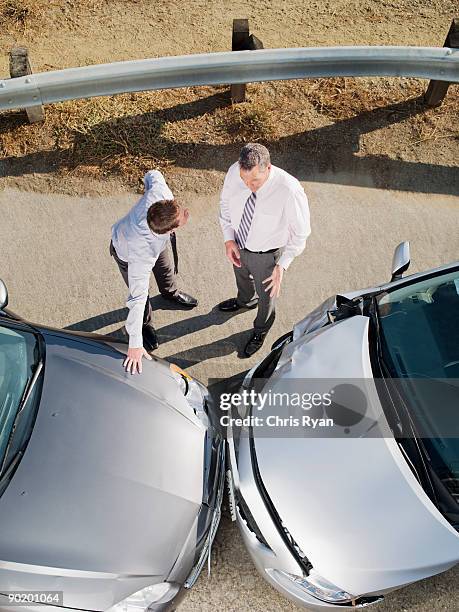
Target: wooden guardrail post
[19,67]
[436,90]
[242,41]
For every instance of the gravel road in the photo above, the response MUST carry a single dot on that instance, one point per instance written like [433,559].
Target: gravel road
[56,264]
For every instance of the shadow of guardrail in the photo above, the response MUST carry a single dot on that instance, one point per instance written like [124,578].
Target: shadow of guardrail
[327,154]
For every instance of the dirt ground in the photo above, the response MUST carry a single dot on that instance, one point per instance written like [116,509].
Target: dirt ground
[68,33]
[377,130]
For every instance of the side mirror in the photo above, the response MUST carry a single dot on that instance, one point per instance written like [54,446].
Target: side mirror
[3,295]
[401,260]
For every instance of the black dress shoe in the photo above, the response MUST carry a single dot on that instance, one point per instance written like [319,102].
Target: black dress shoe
[255,343]
[150,339]
[183,299]
[232,305]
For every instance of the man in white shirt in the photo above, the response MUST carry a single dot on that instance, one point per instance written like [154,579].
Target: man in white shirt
[264,216]
[139,246]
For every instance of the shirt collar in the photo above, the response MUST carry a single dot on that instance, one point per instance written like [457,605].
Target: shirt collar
[268,181]
[159,236]
[271,175]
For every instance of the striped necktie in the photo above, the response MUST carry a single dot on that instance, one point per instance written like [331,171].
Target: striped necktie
[246,220]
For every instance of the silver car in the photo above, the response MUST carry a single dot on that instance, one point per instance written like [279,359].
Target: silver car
[335,519]
[110,484]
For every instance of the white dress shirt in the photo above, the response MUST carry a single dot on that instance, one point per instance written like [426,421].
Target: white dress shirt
[136,244]
[281,216]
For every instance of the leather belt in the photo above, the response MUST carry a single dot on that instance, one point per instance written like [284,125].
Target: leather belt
[261,252]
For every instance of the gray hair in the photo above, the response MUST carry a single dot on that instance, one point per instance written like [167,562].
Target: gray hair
[253,154]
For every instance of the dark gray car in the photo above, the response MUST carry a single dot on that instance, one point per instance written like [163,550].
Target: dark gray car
[110,484]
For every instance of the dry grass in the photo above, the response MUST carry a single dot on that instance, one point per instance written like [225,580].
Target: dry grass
[247,123]
[21,13]
[439,123]
[127,134]
[341,98]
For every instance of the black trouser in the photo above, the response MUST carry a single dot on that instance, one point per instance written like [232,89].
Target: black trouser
[255,268]
[163,271]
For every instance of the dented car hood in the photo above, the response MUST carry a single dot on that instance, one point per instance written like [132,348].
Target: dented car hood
[351,503]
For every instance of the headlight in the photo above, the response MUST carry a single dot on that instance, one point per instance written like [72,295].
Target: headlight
[193,390]
[139,602]
[182,377]
[318,587]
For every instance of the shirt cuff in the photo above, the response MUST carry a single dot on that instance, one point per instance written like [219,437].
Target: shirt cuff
[135,341]
[285,261]
[228,234]
[150,178]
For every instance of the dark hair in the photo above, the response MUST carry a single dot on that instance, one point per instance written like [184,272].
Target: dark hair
[162,216]
[254,154]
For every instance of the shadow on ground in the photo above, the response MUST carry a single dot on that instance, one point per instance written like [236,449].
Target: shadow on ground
[219,348]
[327,154]
[187,358]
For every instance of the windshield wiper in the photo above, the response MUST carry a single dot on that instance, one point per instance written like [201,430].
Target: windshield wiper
[29,387]
[10,469]
[24,399]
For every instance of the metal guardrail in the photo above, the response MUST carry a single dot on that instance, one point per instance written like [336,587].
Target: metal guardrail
[437,90]
[228,68]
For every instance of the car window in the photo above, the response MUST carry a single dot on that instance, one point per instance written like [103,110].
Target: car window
[17,360]
[419,329]
[420,323]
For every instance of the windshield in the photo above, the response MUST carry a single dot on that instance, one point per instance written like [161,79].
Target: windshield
[19,357]
[419,342]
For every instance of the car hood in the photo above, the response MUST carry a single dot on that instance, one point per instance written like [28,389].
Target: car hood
[351,503]
[111,481]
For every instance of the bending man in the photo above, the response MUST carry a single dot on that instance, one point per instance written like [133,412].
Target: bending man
[139,246]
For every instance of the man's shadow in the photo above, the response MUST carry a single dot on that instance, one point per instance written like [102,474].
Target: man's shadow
[170,332]
[219,348]
[178,329]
